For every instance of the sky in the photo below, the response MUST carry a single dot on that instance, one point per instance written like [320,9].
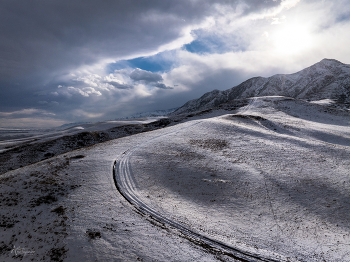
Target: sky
[86,61]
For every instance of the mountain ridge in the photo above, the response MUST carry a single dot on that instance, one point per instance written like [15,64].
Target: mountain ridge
[327,79]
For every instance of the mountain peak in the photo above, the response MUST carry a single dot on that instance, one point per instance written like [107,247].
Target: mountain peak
[327,79]
[332,61]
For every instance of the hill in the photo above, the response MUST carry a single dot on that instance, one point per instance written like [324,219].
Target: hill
[327,79]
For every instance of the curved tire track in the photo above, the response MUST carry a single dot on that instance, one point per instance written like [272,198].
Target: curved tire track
[125,184]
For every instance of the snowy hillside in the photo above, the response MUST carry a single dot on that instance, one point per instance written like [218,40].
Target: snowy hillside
[328,79]
[155,113]
[268,181]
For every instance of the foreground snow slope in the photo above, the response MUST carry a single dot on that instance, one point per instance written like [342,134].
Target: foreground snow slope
[272,179]
[67,208]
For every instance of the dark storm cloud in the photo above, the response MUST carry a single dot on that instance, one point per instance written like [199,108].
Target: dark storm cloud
[41,41]
[162,86]
[148,77]
[120,86]
[60,35]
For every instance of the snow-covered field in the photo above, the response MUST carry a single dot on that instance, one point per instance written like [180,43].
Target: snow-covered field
[10,138]
[270,179]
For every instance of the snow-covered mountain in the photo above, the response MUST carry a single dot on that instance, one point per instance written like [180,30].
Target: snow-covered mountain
[327,79]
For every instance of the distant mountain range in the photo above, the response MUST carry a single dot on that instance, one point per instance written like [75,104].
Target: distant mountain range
[155,113]
[327,79]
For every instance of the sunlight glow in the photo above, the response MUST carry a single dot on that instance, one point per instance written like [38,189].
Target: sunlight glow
[291,39]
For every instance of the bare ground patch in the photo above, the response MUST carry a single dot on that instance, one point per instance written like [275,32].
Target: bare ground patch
[212,144]
[26,221]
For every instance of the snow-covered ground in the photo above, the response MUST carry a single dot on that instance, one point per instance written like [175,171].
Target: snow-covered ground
[272,179]
[10,138]
[323,102]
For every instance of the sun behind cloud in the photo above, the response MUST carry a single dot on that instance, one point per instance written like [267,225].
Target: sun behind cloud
[291,39]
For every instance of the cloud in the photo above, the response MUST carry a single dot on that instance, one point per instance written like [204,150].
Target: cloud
[142,75]
[289,3]
[275,21]
[124,79]
[56,57]
[89,79]
[48,36]
[71,91]
[25,112]
[46,103]
[31,122]
[162,86]
[119,85]
[85,114]
[90,90]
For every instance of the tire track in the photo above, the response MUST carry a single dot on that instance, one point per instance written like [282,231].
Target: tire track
[125,184]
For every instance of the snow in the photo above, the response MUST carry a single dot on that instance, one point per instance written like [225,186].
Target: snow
[323,101]
[91,203]
[11,138]
[271,178]
[276,190]
[327,79]
[156,113]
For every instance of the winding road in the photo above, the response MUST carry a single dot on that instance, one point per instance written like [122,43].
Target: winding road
[126,185]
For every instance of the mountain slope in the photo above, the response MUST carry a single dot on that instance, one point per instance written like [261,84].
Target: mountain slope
[154,113]
[327,79]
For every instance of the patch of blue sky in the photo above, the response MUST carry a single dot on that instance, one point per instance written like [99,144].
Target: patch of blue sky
[206,45]
[165,61]
[212,43]
[161,62]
